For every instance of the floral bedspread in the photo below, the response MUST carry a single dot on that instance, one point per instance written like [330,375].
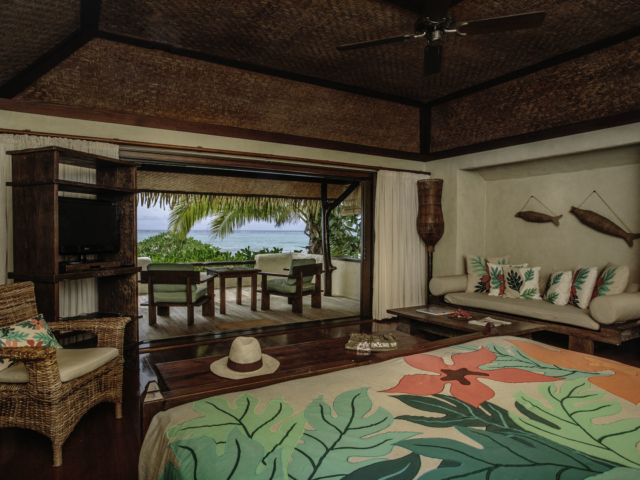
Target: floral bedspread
[496,408]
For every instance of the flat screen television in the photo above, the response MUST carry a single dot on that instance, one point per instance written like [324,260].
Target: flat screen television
[88,226]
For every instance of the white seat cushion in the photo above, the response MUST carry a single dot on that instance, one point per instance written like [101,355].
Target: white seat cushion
[72,363]
[568,314]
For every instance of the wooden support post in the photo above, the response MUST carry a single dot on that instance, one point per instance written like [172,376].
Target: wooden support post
[327,208]
[429,272]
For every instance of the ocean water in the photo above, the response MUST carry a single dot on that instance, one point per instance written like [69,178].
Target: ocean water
[287,240]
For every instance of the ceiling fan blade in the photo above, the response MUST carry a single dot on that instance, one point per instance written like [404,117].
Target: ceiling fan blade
[374,43]
[432,59]
[503,24]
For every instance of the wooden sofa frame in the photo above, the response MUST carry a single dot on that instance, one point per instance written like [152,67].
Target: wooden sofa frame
[173,277]
[295,299]
[580,339]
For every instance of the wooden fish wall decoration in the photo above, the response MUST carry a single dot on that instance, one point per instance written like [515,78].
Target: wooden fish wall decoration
[604,225]
[537,217]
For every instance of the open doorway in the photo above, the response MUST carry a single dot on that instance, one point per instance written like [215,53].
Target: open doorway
[252,219]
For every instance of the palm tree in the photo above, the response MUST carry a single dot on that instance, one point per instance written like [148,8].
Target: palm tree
[230,213]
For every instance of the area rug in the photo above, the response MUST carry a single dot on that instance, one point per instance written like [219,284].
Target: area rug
[257,323]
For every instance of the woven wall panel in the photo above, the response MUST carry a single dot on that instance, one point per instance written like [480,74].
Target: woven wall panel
[122,78]
[604,83]
[213,185]
[30,28]
[300,36]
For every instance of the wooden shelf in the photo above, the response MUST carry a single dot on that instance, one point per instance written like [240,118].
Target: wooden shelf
[76,187]
[36,253]
[60,277]
[97,315]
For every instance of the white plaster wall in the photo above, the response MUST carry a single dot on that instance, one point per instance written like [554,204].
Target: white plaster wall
[346,279]
[572,243]
[579,164]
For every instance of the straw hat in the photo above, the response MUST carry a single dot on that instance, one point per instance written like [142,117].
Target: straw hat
[245,360]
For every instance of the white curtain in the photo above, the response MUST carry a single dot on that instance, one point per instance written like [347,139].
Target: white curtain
[78,296]
[399,274]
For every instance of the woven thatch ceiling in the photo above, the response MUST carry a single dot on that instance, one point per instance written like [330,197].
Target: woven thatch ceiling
[300,36]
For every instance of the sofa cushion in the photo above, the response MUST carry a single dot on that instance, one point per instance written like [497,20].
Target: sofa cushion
[447,284]
[558,288]
[179,297]
[478,279]
[584,279]
[567,315]
[522,283]
[613,279]
[28,333]
[299,262]
[608,309]
[496,273]
[281,285]
[176,267]
[72,363]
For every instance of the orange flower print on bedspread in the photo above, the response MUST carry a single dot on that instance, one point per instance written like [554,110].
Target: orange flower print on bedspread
[463,376]
[624,383]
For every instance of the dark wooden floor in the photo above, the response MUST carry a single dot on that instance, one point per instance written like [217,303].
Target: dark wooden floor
[101,448]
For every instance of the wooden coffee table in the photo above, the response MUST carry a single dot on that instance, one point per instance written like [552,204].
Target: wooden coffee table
[190,380]
[236,272]
[413,321]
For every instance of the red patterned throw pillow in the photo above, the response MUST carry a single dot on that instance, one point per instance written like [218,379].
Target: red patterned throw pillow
[29,333]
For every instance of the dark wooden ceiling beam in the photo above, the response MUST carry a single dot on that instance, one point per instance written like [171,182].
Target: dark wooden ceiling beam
[89,22]
[297,77]
[551,62]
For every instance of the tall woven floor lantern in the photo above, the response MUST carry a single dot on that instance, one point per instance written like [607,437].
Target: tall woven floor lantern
[430,220]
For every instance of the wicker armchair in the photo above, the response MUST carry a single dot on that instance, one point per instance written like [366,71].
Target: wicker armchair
[45,404]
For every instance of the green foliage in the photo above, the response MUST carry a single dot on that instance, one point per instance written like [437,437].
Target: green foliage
[516,358]
[581,277]
[495,273]
[352,432]
[556,279]
[511,454]
[345,235]
[529,293]
[478,265]
[507,451]
[220,418]
[241,460]
[574,419]
[170,248]
[553,297]
[528,275]
[607,280]
[405,468]
[514,280]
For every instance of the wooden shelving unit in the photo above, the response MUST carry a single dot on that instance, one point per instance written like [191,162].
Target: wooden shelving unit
[36,185]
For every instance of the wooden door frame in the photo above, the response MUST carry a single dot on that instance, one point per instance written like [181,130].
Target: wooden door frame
[246,168]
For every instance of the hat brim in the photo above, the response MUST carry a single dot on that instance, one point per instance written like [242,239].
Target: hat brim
[220,368]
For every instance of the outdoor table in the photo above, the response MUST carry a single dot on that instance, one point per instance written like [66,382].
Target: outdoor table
[231,272]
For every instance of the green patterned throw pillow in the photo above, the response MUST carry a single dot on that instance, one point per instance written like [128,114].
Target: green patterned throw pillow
[523,283]
[478,276]
[558,288]
[496,273]
[612,280]
[584,281]
[29,333]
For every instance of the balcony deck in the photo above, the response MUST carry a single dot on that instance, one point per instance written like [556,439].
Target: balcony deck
[176,324]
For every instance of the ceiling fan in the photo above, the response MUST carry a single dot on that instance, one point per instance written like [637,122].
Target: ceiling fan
[435,21]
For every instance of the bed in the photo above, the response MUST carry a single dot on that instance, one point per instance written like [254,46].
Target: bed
[497,407]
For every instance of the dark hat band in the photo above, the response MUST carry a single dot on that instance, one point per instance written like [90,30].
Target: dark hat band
[244,367]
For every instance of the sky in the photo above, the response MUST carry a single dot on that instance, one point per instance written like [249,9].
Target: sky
[157,218]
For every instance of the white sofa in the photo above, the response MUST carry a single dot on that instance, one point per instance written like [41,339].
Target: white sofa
[605,310]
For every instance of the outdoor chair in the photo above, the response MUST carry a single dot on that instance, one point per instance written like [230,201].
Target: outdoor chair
[51,389]
[294,285]
[168,284]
